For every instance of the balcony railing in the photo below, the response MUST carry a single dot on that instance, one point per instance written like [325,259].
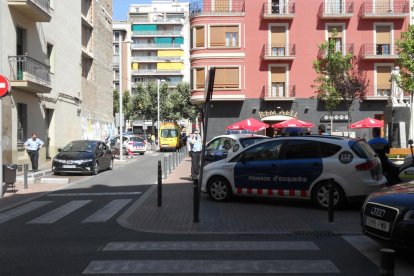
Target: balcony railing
[24,68]
[278,92]
[331,9]
[279,51]
[282,11]
[156,19]
[156,58]
[156,72]
[156,45]
[38,10]
[348,48]
[381,91]
[385,9]
[212,7]
[378,51]
[157,33]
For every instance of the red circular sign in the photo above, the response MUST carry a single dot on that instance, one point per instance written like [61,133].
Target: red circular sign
[4,86]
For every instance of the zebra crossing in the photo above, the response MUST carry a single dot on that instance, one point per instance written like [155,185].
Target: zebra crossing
[213,266]
[103,214]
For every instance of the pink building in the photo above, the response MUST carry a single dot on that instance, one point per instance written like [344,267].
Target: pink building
[263,51]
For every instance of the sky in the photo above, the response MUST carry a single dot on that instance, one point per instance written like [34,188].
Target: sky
[120,7]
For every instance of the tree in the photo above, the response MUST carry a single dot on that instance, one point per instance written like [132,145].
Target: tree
[116,102]
[338,78]
[406,59]
[126,104]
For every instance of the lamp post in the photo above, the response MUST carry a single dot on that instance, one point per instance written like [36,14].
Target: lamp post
[158,104]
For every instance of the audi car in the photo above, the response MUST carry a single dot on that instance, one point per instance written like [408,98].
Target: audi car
[83,156]
[388,215]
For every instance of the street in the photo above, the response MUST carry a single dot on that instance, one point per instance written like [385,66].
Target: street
[75,231]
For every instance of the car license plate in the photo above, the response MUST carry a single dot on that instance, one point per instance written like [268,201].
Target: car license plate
[69,166]
[377,224]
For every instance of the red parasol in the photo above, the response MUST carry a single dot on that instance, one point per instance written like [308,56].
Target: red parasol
[292,123]
[250,124]
[367,123]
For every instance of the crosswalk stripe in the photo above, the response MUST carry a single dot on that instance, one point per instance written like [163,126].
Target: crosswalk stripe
[96,194]
[210,266]
[211,245]
[21,210]
[60,212]
[106,212]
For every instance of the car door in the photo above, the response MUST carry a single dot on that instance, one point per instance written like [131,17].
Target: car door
[107,155]
[100,155]
[218,149]
[257,167]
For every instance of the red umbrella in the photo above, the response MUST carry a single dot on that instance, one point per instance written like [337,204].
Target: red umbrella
[250,124]
[367,123]
[292,123]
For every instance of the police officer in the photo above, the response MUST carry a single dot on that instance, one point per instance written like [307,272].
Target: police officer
[33,145]
[194,146]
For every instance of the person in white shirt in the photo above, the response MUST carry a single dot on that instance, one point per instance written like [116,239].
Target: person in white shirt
[33,145]
[194,146]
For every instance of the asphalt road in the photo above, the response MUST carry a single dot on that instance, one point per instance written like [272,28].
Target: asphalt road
[74,232]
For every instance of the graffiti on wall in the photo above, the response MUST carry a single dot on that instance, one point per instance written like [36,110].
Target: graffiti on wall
[96,130]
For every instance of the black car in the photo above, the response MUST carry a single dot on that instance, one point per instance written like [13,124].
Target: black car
[388,215]
[83,156]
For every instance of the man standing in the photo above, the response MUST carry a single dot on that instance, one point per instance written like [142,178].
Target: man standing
[194,146]
[33,145]
[381,147]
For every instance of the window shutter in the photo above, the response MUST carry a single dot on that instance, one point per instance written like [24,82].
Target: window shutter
[383,34]
[338,30]
[383,77]
[218,37]
[278,74]
[199,36]
[278,35]
[200,78]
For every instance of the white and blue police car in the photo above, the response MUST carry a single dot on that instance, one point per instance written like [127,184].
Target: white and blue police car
[298,167]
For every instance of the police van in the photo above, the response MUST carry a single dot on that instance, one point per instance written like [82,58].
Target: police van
[298,167]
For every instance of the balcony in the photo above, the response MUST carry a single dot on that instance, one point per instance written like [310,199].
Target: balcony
[336,9]
[167,33]
[281,93]
[115,61]
[215,8]
[37,10]
[370,51]
[158,18]
[279,52]
[381,92]
[348,48]
[149,72]
[395,9]
[29,74]
[276,11]
[156,59]
[144,46]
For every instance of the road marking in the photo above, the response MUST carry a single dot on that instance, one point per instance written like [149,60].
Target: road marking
[109,210]
[211,245]
[21,210]
[60,212]
[96,194]
[210,266]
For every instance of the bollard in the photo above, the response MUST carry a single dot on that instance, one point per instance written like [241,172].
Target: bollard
[387,262]
[173,161]
[165,167]
[169,164]
[196,199]
[159,184]
[331,201]
[25,170]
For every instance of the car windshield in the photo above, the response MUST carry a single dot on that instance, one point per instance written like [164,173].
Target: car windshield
[136,139]
[169,133]
[80,146]
[250,141]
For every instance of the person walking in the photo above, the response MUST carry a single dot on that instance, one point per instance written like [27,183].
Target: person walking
[194,146]
[382,148]
[33,145]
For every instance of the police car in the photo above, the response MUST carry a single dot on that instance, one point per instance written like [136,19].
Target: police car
[297,167]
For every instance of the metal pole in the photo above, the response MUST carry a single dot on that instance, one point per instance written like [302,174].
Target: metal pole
[196,196]
[169,164]
[159,184]
[331,201]
[121,149]
[158,106]
[25,171]
[1,143]
[387,262]
[173,161]
[165,167]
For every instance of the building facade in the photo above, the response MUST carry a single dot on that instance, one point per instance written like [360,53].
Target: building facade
[263,52]
[42,56]
[121,56]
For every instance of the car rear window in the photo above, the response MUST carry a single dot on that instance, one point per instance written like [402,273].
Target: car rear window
[328,149]
[362,149]
[245,142]
[136,139]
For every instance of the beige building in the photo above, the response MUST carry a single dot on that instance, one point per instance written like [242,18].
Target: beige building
[42,55]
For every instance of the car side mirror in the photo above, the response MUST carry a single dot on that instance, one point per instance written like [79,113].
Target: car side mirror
[59,150]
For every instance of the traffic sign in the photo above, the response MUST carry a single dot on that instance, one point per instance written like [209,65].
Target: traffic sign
[4,86]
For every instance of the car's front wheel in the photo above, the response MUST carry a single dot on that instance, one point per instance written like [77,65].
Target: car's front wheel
[95,170]
[320,195]
[218,188]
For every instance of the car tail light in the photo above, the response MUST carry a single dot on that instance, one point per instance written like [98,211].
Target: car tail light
[366,166]
[373,167]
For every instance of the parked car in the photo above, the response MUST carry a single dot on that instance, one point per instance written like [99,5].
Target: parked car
[218,148]
[132,144]
[297,167]
[388,215]
[83,156]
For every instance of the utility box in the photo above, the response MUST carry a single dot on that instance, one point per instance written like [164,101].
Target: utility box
[9,173]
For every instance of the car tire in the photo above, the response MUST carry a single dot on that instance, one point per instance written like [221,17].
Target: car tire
[218,188]
[56,173]
[111,164]
[320,195]
[141,153]
[95,169]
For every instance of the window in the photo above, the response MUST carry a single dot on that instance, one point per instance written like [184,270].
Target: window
[262,152]
[87,68]
[279,6]
[383,40]
[222,5]
[335,34]
[199,37]
[116,49]
[199,78]
[116,35]
[226,78]
[278,89]
[383,74]
[21,122]
[278,82]
[50,56]
[278,40]
[224,36]
[328,149]
[20,41]
[300,149]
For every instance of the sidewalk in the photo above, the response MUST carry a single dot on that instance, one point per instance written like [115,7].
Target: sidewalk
[242,215]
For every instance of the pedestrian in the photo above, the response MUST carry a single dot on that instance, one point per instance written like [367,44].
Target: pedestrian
[194,146]
[380,146]
[321,129]
[33,145]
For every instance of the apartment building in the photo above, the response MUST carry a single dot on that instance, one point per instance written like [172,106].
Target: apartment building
[42,55]
[159,42]
[121,56]
[263,52]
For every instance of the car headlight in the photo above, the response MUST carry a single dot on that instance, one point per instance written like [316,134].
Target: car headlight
[409,215]
[59,160]
[81,161]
